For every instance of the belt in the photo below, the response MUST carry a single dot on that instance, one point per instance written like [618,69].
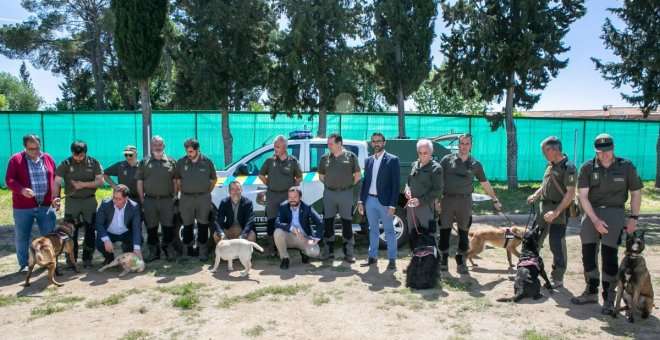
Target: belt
[339,189]
[278,191]
[457,195]
[373,195]
[609,206]
[157,197]
[550,201]
[194,193]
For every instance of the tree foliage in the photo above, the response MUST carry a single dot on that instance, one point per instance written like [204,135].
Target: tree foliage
[506,49]
[432,98]
[313,60]
[18,96]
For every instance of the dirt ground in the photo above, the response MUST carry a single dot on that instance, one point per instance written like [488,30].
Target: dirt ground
[329,300]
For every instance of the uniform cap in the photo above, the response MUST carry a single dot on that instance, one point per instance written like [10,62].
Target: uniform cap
[130,149]
[603,142]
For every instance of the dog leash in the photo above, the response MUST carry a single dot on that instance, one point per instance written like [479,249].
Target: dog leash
[530,218]
[411,209]
[506,217]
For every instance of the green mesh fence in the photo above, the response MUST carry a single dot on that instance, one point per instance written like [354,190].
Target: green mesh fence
[107,133]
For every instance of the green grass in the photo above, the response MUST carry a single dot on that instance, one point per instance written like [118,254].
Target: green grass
[320,299]
[39,312]
[288,290]
[8,300]
[533,334]
[186,294]
[135,334]
[254,332]
[452,284]
[113,299]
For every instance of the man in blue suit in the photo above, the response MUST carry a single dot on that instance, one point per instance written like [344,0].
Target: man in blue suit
[235,217]
[118,219]
[378,197]
[293,228]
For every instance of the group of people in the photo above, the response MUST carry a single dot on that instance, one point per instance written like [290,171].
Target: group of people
[150,188]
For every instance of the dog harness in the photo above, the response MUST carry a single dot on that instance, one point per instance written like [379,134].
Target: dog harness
[425,251]
[532,261]
[508,236]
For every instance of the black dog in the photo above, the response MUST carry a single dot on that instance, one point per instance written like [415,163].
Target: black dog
[422,271]
[634,281]
[530,266]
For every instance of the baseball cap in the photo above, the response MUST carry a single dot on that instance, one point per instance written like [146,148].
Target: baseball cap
[130,149]
[603,142]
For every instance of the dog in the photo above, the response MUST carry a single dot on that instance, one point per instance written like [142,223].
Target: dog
[45,250]
[634,281]
[422,271]
[128,261]
[530,266]
[229,250]
[507,238]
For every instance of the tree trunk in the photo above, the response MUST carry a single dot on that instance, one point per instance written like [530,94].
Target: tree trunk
[227,139]
[145,99]
[398,58]
[657,160]
[511,138]
[323,118]
[97,58]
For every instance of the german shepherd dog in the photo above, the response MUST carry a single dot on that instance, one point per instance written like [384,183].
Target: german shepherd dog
[634,281]
[530,266]
[422,271]
[45,250]
[507,238]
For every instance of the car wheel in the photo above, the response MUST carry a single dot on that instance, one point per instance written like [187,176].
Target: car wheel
[400,229]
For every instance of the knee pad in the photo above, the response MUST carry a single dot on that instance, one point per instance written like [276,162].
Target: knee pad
[270,227]
[609,262]
[463,241]
[202,233]
[346,228]
[444,239]
[168,235]
[188,235]
[589,257]
[152,235]
[329,227]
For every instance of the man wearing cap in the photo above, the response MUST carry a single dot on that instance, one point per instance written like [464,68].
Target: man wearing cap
[235,217]
[603,186]
[423,188]
[278,173]
[459,171]
[339,170]
[125,172]
[293,228]
[196,178]
[156,190]
[81,174]
[30,174]
[556,193]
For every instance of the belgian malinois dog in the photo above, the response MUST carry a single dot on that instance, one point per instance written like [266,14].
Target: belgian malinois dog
[634,281]
[45,250]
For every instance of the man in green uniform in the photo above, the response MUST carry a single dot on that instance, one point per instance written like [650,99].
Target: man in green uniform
[423,188]
[459,171]
[556,193]
[81,175]
[339,170]
[603,186]
[196,178]
[125,172]
[156,191]
[279,173]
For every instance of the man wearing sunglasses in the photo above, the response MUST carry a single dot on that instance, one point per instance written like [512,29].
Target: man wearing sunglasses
[125,172]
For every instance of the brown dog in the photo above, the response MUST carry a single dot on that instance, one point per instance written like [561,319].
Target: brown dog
[634,281]
[507,238]
[128,261]
[45,250]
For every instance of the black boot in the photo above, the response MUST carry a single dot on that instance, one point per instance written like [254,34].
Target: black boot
[461,267]
[444,260]
[168,251]
[154,253]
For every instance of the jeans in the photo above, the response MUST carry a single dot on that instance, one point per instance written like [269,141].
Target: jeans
[378,213]
[23,220]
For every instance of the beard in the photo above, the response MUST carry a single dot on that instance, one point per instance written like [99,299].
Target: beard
[294,204]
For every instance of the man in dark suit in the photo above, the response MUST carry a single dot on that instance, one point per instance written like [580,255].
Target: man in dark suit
[235,216]
[293,228]
[118,219]
[378,197]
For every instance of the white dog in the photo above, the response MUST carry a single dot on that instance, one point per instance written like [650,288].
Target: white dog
[129,261]
[229,250]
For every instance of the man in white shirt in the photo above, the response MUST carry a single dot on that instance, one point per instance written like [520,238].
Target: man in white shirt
[118,219]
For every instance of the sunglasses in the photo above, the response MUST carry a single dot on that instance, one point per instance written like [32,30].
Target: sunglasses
[128,155]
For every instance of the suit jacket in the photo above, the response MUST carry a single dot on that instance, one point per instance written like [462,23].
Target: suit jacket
[284,216]
[225,218]
[132,219]
[387,182]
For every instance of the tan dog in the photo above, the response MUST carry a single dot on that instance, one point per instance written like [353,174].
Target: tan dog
[229,250]
[129,261]
[496,237]
[45,250]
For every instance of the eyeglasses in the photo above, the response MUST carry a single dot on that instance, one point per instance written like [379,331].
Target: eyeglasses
[33,149]
[128,155]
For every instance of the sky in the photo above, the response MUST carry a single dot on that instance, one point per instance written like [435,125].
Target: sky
[577,87]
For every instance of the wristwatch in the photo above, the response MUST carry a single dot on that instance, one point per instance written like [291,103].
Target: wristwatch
[634,217]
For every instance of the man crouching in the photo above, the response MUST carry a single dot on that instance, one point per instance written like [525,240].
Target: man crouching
[293,229]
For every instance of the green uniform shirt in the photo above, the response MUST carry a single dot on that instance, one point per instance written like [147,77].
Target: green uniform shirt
[426,182]
[459,175]
[85,171]
[156,175]
[338,171]
[609,186]
[564,173]
[281,174]
[195,177]
[125,175]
